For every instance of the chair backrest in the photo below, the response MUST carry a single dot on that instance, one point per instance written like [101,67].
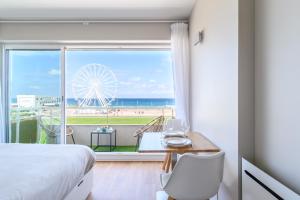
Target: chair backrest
[174,125]
[70,131]
[196,177]
[156,125]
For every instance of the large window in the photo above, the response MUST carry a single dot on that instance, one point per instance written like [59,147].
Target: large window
[123,89]
[35,96]
[118,87]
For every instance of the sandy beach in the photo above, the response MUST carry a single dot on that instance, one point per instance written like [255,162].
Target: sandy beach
[120,112]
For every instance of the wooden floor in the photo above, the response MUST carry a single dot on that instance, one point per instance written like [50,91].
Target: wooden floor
[126,181]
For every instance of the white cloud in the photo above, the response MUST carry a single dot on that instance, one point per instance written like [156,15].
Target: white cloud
[144,85]
[125,83]
[152,81]
[146,90]
[54,72]
[162,86]
[135,78]
[158,70]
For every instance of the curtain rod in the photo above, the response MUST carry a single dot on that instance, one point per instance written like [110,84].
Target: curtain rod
[86,22]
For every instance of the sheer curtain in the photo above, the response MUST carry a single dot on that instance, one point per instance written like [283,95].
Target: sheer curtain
[181,70]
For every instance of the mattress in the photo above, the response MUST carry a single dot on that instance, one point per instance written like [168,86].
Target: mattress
[37,171]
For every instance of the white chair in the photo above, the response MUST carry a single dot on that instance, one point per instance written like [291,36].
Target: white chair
[194,177]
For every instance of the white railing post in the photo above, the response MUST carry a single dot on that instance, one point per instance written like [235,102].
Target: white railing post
[18,125]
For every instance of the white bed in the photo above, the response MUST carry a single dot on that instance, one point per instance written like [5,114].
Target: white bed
[48,172]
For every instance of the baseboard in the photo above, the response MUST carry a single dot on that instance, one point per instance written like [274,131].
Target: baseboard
[129,156]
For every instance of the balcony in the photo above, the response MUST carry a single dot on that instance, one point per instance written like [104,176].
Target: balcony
[43,125]
[125,140]
[124,89]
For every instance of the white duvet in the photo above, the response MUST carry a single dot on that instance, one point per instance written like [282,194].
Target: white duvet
[41,172]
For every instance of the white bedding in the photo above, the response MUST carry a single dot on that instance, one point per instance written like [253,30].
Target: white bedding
[41,172]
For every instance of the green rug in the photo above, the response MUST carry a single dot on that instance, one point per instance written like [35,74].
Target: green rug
[116,149]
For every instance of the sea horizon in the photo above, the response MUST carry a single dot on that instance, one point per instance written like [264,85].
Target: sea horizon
[125,102]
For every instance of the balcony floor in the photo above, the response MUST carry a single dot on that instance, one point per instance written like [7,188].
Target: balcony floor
[125,180]
[116,149]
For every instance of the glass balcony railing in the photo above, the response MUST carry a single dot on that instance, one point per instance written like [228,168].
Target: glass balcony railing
[42,125]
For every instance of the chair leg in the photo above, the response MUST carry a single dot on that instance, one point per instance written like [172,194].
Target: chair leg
[169,162]
[165,162]
[73,138]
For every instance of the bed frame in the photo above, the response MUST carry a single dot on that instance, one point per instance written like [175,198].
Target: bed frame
[82,188]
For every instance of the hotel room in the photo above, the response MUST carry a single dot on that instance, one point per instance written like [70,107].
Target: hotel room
[149,99]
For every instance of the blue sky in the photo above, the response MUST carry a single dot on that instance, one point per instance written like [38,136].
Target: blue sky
[34,72]
[140,74]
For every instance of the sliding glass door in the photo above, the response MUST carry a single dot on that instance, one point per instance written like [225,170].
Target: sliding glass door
[35,103]
[106,89]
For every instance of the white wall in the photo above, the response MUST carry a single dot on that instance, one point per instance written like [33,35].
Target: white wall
[214,82]
[71,32]
[277,70]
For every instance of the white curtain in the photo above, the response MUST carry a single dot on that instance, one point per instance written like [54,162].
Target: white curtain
[181,70]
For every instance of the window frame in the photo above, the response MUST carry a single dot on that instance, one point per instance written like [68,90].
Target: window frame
[62,47]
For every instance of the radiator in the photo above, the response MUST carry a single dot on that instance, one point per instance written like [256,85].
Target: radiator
[257,185]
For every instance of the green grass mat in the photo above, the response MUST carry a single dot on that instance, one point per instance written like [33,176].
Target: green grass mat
[117,149]
[111,120]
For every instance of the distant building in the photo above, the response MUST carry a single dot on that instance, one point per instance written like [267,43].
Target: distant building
[33,101]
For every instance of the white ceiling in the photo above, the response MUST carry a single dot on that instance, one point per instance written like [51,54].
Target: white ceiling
[95,9]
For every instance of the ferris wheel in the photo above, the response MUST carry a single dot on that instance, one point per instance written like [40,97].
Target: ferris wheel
[94,85]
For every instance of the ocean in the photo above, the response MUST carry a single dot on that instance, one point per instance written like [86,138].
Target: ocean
[132,102]
[126,102]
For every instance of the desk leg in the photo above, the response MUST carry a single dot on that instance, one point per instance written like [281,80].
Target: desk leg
[110,142]
[91,141]
[115,138]
[174,159]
